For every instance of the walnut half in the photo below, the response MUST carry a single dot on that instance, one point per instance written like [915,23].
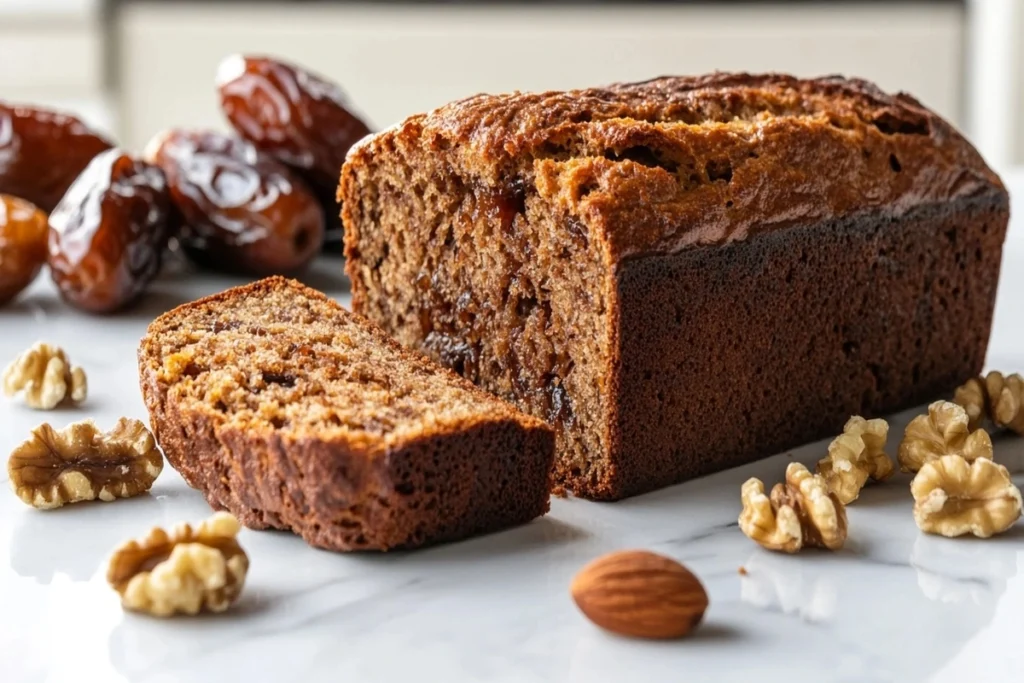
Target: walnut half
[799,513]
[995,396]
[954,497]
[856,455]
[46,377]
[1006,400]
[186,571]
[972,396]
[79,463]
[943,431]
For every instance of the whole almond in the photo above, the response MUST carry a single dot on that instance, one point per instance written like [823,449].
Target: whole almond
[640,594]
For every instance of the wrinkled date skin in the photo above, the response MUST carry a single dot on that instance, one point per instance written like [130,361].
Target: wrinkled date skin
[292,114]
[23,232]
[108,234]
[295,116]
[242,210]
[42,152]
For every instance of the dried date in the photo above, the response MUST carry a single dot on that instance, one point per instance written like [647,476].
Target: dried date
[294,115]
[243,211]
[22,245]
[108,234]
[42,152]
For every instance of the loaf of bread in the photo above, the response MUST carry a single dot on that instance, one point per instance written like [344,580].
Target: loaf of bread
[684,274]
[292,413]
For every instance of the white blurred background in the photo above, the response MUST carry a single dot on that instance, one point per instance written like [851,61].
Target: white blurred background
[134,67]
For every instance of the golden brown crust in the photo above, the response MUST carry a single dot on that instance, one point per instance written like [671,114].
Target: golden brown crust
[681,161]
[435,479]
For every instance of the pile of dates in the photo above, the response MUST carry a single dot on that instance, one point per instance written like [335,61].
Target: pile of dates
[257,202]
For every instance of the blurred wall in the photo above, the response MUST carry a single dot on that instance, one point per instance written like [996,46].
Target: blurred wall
[395,60]
[53,53]
[995,80]
[153,62]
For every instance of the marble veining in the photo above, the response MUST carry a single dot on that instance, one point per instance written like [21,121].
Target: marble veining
[893,606]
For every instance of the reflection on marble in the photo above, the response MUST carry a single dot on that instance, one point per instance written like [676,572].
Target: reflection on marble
[893,606]
[966,570]
[76,555]
[784,584]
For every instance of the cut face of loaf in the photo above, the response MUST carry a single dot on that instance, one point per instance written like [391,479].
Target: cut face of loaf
[292,413]
[685,274]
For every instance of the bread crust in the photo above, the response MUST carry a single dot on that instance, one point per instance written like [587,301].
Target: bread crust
[771,343]
[645,161]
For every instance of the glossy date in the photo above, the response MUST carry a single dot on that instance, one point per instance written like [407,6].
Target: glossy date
[108,234]
[22,245]
[42,152]
[290,113]
[242,211]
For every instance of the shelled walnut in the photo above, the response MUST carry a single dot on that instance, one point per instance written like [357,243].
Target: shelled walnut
[1006,400]
[799,513]
[943,431]
[46,377]
[954,497]
[186,571]
[996,397]
[972,396]
[79,463]
[855,456]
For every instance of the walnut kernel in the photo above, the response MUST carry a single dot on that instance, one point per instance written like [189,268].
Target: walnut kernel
[855,456]
[79,463]
[953,497]
[773,529]
[996,397]
[972,396]
[1006,400]
[186,571]
[943,431]
[46,377]
[799,513]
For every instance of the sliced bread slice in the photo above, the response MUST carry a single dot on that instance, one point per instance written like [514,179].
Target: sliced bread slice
[293,413]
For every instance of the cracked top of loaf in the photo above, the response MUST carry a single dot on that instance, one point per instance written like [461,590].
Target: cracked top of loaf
[677,162]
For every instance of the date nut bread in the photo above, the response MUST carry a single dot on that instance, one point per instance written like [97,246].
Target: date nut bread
[684,274]
[292,413]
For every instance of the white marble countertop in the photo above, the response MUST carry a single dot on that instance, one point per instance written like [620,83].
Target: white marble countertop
[893,605]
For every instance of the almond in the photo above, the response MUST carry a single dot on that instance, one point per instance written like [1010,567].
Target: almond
[640,594]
